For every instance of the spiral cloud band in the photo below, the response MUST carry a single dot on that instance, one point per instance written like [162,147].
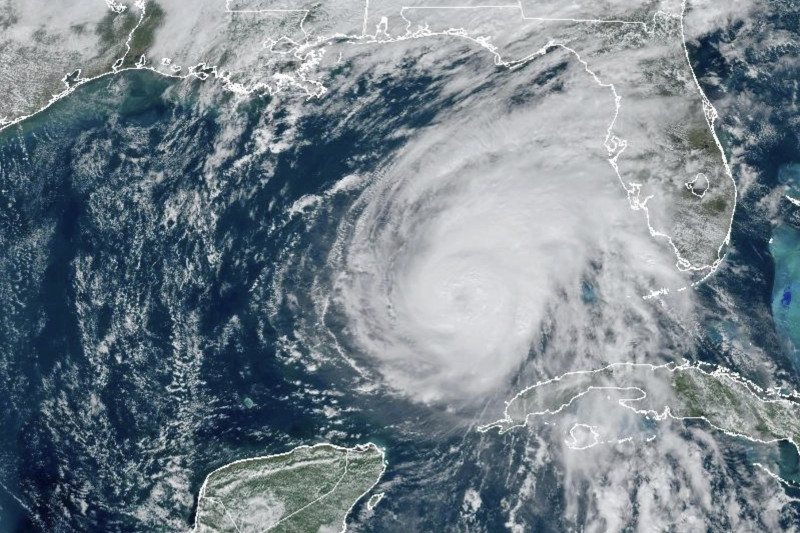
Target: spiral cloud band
[452,258]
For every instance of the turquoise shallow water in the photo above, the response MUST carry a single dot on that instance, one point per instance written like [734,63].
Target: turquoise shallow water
[132,360]
[109,422]
[785,250]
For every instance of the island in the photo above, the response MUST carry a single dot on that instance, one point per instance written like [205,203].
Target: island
[718,396]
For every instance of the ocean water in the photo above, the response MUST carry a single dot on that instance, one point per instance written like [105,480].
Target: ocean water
[785,251]
[144,341]
[139,353]
[122,351]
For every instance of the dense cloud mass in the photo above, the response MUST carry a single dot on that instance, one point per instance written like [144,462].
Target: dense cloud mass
[484,224]
[369,223]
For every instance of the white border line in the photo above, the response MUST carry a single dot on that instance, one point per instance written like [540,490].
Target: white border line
[507,423]
[358,448]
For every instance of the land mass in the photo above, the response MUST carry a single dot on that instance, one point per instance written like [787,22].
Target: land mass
[723,399]
[661,144]
[310,488]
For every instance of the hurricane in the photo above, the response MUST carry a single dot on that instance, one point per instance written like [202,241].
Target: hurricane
[494,220]
[365,267]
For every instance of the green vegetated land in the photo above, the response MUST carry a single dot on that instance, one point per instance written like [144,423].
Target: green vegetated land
[311,488]
[733,406]
[724,400]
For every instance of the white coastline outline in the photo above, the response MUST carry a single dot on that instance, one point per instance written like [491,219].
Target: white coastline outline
[690,184]
[574,444]
[613,144]
[508,423]
[375,499]
[785,482]
[357,448]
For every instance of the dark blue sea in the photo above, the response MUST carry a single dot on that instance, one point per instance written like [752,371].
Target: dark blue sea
[142,342]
